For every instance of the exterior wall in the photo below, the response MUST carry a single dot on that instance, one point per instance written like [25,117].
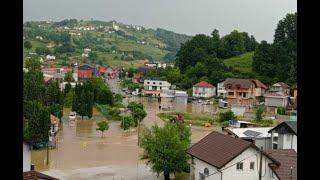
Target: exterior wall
[221,91]
[157,85]
[265,143]
[203,92]
[287,141]
[26,157]
[238,110]
[199,166]
[276,101]
[229,171]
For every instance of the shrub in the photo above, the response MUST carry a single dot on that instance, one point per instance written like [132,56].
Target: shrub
[281,111]
[259,113]
[226,116]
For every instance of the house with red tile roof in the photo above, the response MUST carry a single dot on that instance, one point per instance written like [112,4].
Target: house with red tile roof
[203,89]
[222,157]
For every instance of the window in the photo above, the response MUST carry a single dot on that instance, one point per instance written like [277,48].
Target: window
[275,139]
[240,94]
[206,171]
[240,166]
[252,165]
[160,83]
[231,93]
[154,82]
[244,95]
[229,86]
[275,146]
[148,82]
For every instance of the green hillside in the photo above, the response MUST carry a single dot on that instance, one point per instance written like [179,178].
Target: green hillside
[113,42]
[242,63]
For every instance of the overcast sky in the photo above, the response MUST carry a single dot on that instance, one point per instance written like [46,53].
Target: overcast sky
[257,17]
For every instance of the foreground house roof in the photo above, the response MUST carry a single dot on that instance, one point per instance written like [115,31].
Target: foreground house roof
[288,160]
[203,84]
[218,149]
[34,175]
[290,126]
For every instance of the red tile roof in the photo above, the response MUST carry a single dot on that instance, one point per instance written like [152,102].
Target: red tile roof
[203,84]
[218,149]
[287,159]
[244,83]
[34,175]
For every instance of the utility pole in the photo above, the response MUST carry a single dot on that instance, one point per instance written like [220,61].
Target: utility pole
[260,169]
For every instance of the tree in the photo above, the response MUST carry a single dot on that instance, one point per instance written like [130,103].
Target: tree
[259,112]
[83,100]
[69,77]
[165,148]
[37,122]
[93,57]
[42,51]
[27,45]
[126,122]
[102,126]
[226,116]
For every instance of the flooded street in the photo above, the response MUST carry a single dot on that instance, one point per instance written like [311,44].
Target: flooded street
[81,152]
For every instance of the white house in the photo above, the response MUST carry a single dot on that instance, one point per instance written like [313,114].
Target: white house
[222,157]
[203,89]
[221,91]
[154,86]
[276,99]
[49,57]
[257,135]
[287,135]
[26,156]
[280,87]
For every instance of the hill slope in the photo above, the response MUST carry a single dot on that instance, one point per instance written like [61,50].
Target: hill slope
[242,63]
[112,41]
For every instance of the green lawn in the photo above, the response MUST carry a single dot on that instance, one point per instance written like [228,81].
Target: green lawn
[189,118]
[243,63]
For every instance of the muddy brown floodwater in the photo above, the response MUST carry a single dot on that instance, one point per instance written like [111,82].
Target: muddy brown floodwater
[81,153]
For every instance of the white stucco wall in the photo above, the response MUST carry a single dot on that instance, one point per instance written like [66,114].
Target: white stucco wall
[287,141]
[263,142]
[158,84]
[229,171]
[203,92]
[26,157]
[276,102]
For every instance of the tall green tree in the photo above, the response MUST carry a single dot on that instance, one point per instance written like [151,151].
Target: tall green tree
[37,122]
[165,148]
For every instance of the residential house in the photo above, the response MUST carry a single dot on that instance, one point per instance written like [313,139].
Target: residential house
[112,72]
[102,70]
[280,87]
[50,57]
[86,71]
[26,156]
[55,73]
[87,50]
[276,99]
[84,55]
[241,124]
[222,157]
[287,170]
[136,78]
[243,91]
[203,89]
[287,135]
[34,175]
[257,135]
[153,86]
